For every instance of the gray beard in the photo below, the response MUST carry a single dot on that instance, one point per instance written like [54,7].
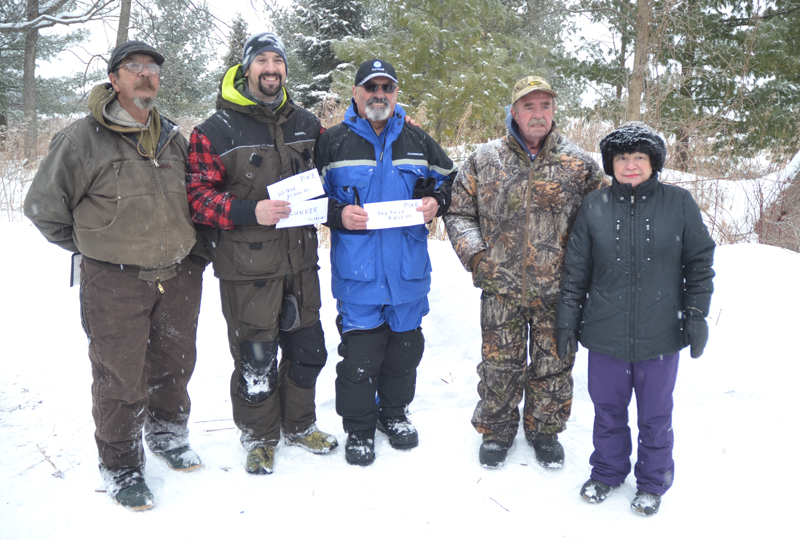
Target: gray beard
[145,103]
[378,115]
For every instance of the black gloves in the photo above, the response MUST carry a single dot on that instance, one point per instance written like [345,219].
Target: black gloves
[695,333]
[566,342]
[426,187]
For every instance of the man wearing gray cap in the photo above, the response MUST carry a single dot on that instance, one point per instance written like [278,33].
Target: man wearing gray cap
[514,203]
[111,189]
[268,276]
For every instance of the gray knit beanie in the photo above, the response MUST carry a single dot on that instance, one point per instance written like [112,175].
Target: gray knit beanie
[258,43]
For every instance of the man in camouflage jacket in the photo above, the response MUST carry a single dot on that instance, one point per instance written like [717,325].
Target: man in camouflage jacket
[513,205]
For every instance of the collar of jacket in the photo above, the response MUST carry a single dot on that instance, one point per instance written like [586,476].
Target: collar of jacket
[232,96]
[645,189]
[514,140]
[362,127]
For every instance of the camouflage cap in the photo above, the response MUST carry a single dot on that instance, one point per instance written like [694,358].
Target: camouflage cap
[530,84]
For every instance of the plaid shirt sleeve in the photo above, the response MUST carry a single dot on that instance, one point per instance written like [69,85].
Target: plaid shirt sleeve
[205,179]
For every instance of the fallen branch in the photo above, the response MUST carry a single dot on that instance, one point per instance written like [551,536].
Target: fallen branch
[498,504]
[58,473]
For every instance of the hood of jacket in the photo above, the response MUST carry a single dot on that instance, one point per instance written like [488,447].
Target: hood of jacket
[233,94]
[105,108]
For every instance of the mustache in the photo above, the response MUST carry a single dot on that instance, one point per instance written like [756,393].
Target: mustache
[536,122]
[145,83]
[374,100]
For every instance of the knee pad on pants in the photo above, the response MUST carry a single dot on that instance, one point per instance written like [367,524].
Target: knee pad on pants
[306,350]
[259,372]
[404,351]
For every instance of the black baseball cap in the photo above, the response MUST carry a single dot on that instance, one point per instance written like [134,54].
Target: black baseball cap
[123,50]
[375,68]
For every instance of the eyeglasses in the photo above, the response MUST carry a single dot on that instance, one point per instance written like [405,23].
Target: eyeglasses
[388,88]
[136,67]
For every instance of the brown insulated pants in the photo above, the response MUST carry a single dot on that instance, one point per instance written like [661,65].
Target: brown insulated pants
[142,352]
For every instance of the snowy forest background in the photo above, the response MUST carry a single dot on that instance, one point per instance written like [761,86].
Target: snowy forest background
[719,79]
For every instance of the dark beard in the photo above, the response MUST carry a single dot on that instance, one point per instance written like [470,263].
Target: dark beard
[265,92]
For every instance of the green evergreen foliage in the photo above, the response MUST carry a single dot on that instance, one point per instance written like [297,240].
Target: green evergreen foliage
[64,90]
[236,39]
[457,61]
[309,28]
[182,33]
[721,73]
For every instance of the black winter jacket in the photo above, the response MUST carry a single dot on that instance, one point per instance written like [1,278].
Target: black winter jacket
[644,257]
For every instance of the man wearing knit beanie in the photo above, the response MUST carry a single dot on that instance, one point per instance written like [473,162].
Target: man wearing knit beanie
[264,64]
[269,285]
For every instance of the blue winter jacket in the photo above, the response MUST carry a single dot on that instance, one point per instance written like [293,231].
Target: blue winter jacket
[387,266]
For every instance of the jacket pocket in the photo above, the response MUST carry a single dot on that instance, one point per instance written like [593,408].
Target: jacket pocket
[255,251]
[415,263]
[354,256]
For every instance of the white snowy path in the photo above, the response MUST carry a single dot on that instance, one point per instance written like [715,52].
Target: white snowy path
[736,468]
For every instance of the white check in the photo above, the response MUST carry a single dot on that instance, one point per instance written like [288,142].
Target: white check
[300,187]
[305,213]
[385,215]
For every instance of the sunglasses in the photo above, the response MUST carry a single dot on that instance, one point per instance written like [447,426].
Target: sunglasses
[388,88]
[136,67]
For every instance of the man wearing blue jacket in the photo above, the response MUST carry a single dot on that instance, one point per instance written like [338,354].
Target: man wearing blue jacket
[380,278]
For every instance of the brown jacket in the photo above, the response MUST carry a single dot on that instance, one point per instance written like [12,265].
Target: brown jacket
[258,147]
[97,194]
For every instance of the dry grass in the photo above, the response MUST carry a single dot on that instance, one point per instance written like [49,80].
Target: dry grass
[16,172]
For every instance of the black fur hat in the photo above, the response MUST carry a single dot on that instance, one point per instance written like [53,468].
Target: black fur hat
[629,138]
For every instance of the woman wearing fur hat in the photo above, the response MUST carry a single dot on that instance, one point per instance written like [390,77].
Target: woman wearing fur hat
[636,289]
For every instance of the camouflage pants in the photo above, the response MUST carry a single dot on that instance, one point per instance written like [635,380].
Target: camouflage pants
[505,373]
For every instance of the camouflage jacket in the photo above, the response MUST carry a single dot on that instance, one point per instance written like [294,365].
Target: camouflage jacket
[519,212]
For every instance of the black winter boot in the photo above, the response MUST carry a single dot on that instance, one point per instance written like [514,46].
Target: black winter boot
[360,447]
[549,452]
[646,504]
[493,453]
[402,433]
[595,491]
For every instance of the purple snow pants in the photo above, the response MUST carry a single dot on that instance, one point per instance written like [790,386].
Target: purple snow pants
[610,383]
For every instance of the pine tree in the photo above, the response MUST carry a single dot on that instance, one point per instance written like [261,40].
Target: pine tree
[184,37]
[236,39]
[308,28]
[457,61]
[718,74]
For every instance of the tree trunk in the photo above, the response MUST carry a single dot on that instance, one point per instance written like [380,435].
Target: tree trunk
[623,50]
[124,21]
[29,84]
[641,47]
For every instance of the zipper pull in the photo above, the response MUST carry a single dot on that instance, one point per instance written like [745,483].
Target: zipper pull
[156,162]
[381,158]
[160,288]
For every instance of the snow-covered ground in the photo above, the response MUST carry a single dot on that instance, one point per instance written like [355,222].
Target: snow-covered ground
[735,475]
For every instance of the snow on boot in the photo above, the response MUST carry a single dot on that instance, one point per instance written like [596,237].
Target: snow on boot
[261,460]
[493,454]
[402,433]
[136,497]
[549,452]
[360,447]
[312,439]
[595,491]
[182,459]
[645,503]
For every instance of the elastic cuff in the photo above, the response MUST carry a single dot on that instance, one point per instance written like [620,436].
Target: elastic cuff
[243,212]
